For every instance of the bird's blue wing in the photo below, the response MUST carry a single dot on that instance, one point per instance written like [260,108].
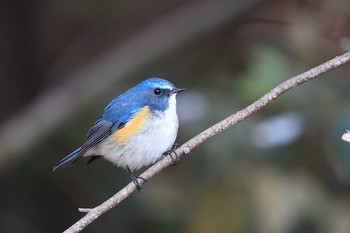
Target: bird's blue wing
[99,131]
[121,110]
[112,120]
[116,115]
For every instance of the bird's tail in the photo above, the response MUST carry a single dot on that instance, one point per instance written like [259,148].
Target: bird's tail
[68,160]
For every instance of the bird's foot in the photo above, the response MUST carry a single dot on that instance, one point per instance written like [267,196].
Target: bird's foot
[136,182]
[135,179]
[175,160]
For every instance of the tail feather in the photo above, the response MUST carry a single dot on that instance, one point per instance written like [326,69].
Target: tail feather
[68,160]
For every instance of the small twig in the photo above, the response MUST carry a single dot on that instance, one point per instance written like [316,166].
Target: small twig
[346,136]
[210,132]
[84,210]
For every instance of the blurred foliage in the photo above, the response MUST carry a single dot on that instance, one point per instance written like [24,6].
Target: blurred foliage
[230,183]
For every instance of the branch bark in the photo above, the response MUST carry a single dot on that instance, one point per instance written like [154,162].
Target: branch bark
[96,212]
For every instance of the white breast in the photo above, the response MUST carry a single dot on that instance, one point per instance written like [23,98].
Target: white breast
[145,148]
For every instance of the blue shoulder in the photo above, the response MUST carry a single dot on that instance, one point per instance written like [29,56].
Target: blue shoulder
[122,109]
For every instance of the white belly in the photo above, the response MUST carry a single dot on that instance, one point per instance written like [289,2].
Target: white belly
[147,146]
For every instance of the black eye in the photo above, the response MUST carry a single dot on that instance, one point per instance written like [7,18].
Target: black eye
[157,91]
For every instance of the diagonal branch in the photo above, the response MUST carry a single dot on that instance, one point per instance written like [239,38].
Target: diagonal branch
[94,213]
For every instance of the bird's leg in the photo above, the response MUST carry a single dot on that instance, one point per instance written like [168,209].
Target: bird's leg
[175,160]
[134,179]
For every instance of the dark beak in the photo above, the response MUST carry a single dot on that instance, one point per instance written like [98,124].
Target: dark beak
[176,90]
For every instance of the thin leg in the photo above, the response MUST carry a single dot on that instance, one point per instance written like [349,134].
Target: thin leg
[134,179]
[175,160]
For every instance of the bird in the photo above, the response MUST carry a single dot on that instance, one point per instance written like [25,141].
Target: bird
[137,128]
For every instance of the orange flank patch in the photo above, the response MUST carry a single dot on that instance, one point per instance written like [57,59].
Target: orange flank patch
[132,127]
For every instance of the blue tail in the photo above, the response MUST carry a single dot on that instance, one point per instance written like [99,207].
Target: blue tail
[68,160]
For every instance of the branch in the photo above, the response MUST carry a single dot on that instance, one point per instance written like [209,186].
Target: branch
[94,213]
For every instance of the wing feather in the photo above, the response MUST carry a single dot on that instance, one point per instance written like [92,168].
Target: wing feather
[111,121]
[101,130]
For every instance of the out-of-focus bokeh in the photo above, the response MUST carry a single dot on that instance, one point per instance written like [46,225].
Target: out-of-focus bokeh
[284,170]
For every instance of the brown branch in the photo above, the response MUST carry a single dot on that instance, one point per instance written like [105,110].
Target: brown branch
[94,213]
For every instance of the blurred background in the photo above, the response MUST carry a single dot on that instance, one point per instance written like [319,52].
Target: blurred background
[284,170]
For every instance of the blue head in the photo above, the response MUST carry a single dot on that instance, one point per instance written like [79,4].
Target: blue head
[157,92]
